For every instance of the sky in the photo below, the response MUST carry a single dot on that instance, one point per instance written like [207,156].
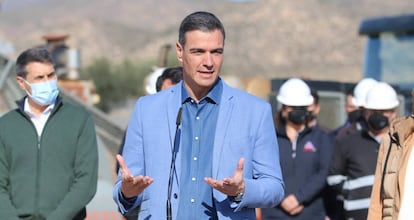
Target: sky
[9,5]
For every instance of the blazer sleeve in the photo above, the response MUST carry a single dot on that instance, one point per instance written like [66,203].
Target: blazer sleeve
[266,187]
[133,156]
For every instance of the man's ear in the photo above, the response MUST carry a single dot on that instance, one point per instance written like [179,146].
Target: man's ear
[20,81]
[317,109]
[179,49]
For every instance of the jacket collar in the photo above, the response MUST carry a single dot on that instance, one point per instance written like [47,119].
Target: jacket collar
[20,104]
[281,131]
[401,128]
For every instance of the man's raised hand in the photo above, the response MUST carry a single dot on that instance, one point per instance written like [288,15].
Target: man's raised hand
[131,186]
[230,186]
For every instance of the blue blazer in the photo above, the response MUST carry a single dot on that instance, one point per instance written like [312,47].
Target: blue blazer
[245,129]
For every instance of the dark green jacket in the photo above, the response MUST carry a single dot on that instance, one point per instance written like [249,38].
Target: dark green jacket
[52,176]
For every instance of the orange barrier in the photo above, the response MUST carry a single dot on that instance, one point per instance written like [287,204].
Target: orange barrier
[103,215]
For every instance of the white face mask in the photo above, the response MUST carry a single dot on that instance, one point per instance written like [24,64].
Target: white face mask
[43,93]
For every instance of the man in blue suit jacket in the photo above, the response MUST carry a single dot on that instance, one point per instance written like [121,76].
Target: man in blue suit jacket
[201,149]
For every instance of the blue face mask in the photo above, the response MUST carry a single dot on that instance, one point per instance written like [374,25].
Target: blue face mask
[43,93]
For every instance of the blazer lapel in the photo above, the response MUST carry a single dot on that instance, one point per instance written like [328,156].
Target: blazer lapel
[173,105]
[223,121]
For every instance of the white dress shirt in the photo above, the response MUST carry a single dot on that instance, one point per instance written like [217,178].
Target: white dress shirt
[38,121]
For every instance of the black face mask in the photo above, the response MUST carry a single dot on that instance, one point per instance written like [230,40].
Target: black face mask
[298,116]
[377,121]
[354,115]
[310,116]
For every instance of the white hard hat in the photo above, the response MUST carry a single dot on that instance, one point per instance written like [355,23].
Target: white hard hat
[295,92]
[151,80]
[361,90]
[381,97]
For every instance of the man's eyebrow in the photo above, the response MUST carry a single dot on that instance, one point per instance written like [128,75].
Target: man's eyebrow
[220,49]
[196,49]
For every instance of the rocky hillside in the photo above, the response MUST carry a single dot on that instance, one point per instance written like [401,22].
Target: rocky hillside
[270,38]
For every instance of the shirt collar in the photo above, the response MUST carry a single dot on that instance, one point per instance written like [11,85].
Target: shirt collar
[29,111]
[377,138]
[213,96]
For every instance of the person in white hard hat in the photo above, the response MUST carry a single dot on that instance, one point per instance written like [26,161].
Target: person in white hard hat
[305,154]
[360,93]
[355,156]
[392,195]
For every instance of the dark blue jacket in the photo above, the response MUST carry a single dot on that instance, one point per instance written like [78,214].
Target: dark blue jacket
[305,173]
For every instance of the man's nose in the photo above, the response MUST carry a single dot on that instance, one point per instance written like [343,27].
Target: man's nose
[208,60]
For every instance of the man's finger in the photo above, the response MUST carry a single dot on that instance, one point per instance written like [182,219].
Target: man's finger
[124,169]
[240,164]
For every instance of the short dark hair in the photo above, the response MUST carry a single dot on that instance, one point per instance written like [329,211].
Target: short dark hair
[350,90]
[175,74]
[315,96]
[201,20]
[35,54]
